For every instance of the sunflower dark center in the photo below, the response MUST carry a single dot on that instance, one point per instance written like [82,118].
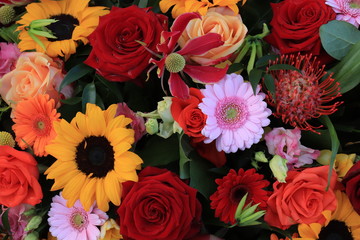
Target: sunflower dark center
[335,230]
[63,28]
[238,192]
[95,155]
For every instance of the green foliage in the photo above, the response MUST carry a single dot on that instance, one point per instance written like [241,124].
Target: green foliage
[88,95]
[76,73]
[337,37]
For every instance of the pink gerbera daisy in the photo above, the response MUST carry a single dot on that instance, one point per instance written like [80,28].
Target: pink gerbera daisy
[74,223]
[346,10]
[235,116]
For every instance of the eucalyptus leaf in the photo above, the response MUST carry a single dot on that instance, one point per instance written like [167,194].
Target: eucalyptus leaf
[5,220]
[235,67]
[184,160]
[89,95]
[264,61]
[337,37]
[143,3]
[75,73]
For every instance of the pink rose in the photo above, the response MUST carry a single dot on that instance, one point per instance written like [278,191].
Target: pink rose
[18,221]
[35,73]
[286,144]
[138,123]
[9,53]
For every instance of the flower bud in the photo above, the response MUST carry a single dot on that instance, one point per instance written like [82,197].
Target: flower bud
[279,168]
[33,223]
[164,111]
[260,157]
[32,236]
[152,126]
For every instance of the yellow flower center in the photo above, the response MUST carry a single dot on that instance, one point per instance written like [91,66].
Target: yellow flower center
[174,63]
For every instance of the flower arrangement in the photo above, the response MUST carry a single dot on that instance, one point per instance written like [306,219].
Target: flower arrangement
[179,119]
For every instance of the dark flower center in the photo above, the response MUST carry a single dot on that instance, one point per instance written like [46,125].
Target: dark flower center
[63,28]
[335,230]
[95,156]
[238,192]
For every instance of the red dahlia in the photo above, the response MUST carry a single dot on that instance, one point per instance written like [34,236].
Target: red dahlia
[233,187]
[301,96]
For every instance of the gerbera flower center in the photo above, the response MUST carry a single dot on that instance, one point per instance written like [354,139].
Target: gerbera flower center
[95,156]
[42,125]
[63,28]
[175,63]
[231,113]
[335,230]
[238,192]
[79,220]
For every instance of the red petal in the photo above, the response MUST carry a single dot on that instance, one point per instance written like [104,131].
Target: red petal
[164,47]
[205,74]
[177,86]
[202,44]
[179,26]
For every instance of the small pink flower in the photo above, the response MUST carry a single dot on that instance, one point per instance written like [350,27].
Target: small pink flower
[9,53]
[17,220]
[138,123]
[286,144]
[74,223]
[346,10]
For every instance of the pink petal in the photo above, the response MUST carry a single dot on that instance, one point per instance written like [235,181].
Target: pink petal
[179,26]
[177,86]
[202,44]
[205,74]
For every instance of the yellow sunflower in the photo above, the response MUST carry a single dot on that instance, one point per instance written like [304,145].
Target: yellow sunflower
[342,224]
[75,22]
[92,157]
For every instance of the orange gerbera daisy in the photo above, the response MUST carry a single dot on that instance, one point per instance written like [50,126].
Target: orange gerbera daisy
[33,120]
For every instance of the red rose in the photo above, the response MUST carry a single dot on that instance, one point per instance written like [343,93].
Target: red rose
[352,185]
[187,114]
[296,23]
[302,199]
[116,55]
[159,206]
[18,178]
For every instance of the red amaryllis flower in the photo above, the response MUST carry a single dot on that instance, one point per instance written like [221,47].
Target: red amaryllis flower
[179,62]
[233,187]
[302,96]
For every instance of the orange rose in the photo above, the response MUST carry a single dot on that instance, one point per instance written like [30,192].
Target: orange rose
[35,73]
[18,178]
[302,199]
[219,20]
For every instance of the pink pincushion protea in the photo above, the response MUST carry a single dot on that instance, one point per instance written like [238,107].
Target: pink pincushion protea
[235,116]
[346,10]
[74,223]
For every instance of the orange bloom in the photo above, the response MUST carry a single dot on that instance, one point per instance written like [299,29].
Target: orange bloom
[33,120]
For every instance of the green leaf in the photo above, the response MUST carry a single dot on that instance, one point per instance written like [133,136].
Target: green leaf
[264,61]
[334,144]
[158,151]
[337,37]
[10,34]
[75,73]
[5,220]
[347,71]
[89,95]
[254,78]
[184,160]
[269,83]
[235,67]
[283,67]
[112,87]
